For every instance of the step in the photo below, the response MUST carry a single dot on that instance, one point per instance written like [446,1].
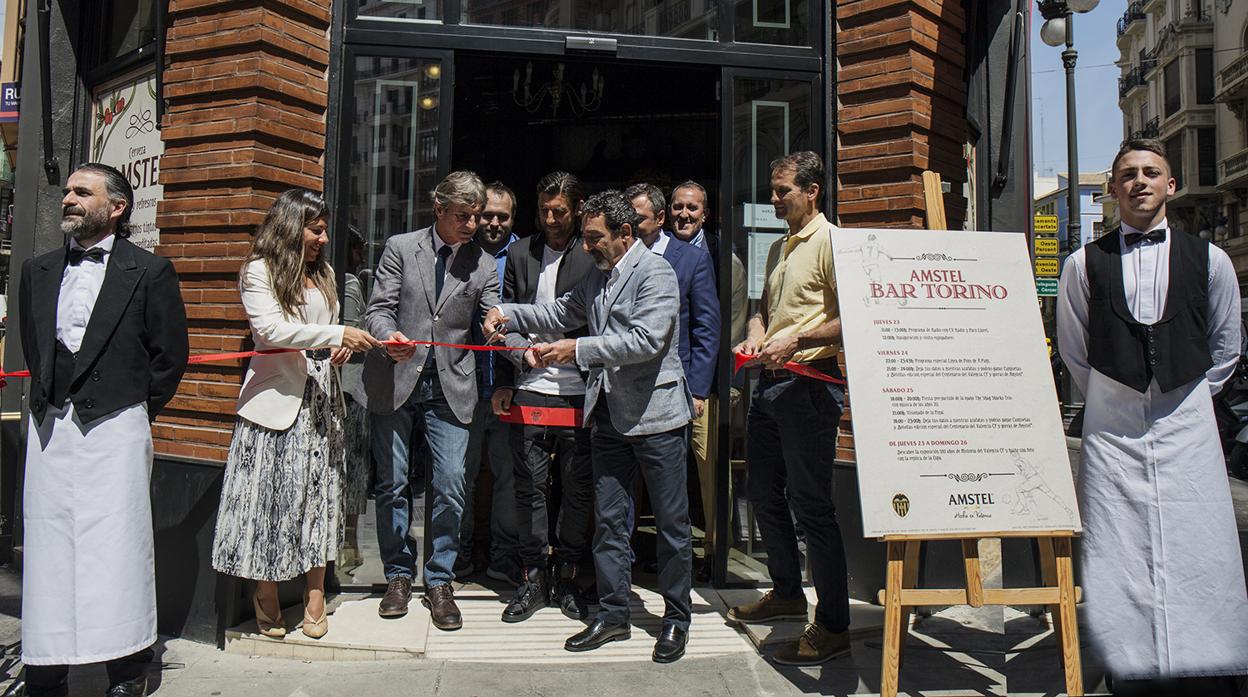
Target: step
[357,633]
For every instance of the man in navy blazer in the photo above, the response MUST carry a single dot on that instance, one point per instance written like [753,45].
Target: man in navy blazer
[699,300]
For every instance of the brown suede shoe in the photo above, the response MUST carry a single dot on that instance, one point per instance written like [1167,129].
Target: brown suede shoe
[442,608]
[398,594]
[816,645]
[768,608]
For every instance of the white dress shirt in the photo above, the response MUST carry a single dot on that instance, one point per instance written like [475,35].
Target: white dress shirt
[1146,281]
[80,286]
[660,243]
[438,244]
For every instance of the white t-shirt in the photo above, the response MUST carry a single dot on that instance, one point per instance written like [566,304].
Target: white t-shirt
[556,379]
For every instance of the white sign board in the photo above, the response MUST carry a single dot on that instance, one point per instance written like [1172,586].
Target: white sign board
[124,135]
[956,421]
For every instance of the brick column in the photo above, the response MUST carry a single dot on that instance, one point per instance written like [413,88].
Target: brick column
[902,109]
[247,92]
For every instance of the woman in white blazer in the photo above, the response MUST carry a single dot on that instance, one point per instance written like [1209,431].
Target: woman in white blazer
[280,513]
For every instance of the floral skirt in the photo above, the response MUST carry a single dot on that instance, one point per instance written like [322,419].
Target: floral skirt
[281,501]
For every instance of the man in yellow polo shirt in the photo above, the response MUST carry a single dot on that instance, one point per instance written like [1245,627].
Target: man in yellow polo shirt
[791,428]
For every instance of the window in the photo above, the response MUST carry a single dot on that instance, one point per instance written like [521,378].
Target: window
[1204,76]
[1174,153]
[686,19]
[1172,86]
[1207,156]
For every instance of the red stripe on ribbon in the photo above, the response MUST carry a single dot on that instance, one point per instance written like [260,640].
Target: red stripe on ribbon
[740,359]
[566,417]
[237,355]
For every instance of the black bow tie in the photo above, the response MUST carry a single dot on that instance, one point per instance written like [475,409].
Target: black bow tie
[1158,235]
[76,255]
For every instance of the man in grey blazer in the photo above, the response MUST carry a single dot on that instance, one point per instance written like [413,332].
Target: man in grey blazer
[637,403]
[428,286]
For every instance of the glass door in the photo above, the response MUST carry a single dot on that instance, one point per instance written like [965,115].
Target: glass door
[766,114]
[392,151]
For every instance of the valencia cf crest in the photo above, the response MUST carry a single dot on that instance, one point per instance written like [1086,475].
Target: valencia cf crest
[901,505]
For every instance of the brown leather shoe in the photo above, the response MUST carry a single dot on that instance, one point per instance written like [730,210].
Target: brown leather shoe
[768,608]
[442,608]
[816,645]
[398,594]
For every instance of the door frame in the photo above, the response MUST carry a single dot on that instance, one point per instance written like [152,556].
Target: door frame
[728,223]
[367,38]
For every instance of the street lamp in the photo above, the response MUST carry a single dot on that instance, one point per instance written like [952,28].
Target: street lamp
[1059,28]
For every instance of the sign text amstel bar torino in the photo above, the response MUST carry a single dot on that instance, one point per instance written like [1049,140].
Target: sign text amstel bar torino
[956,421]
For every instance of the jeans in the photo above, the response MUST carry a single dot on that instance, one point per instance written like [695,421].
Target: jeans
[486,430]
[534,446]
[447,439]
[661,459]
[791,445]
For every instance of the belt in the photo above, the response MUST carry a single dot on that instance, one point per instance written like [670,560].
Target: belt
[829,366]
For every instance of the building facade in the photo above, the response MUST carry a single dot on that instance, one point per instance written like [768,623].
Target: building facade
[374,101]
[1052,199]
[1185,81]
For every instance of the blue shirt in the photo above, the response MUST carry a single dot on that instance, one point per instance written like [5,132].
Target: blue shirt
[485,359]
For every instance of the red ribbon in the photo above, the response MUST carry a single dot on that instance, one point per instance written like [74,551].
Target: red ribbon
[740,359]
[236,355]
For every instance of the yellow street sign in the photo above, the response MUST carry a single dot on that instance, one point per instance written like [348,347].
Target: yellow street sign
[1045,246]
[1045,223]
[1046,267]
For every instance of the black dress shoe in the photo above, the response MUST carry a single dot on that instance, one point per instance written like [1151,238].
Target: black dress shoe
[671,644]
[532,595]
[130,688]
[596,635]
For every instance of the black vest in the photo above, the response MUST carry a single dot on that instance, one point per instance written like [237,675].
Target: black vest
[62,375]
[1175,349]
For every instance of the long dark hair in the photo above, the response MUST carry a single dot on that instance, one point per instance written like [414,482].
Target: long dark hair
[279,242]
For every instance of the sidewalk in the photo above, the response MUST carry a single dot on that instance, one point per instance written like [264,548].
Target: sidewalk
[955,651]
[958,651]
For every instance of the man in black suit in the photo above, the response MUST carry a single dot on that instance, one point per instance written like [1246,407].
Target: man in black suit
[103,330]
[540,269]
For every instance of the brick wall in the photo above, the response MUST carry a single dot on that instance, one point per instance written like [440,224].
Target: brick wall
[901,109]
[247,93]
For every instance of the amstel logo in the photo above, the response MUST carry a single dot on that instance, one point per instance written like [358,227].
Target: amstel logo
[901,505]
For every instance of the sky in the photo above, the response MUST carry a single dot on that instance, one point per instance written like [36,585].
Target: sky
[1096,93]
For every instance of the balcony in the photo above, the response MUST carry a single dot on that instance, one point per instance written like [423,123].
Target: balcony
[1233,83]
[1233,171]
[1152,129]
[1133,79]
[1132,19]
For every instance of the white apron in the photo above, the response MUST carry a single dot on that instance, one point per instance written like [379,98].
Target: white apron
[1162,575]
[88,582]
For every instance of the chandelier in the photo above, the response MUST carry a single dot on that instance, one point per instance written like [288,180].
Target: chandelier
[582,99]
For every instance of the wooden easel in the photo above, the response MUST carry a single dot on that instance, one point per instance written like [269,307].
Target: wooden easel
[1058,593]
[901,592]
